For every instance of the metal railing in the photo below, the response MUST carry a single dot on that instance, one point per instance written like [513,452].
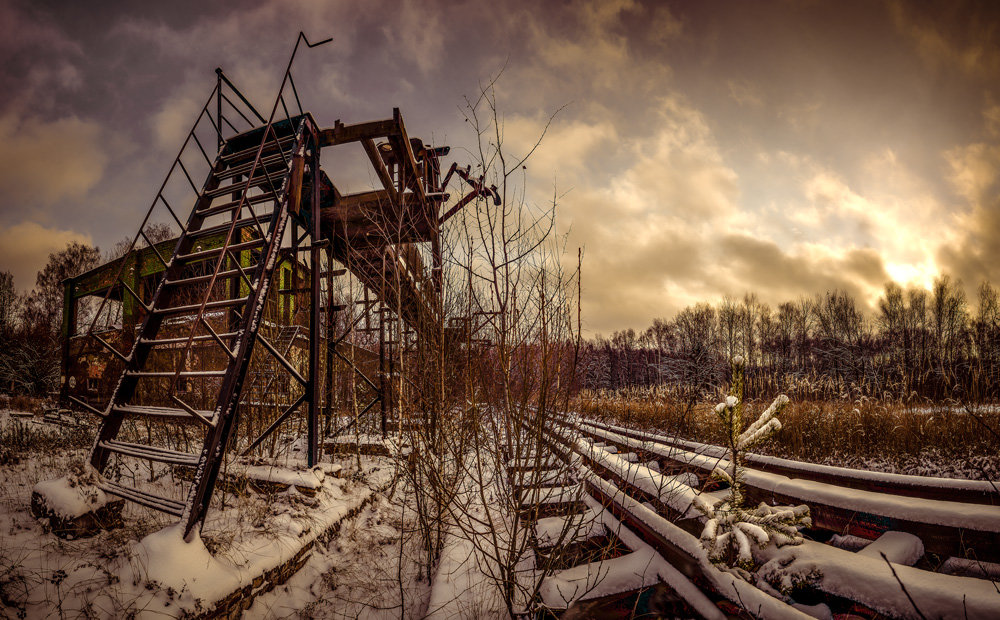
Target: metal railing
[204,123]
[269,138]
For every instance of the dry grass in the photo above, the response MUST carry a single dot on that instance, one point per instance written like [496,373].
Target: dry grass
[20,402]
[922,439]
[21,439]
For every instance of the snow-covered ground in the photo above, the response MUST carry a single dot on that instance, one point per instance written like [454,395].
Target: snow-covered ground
[146,566]
[366,571]
[373,567]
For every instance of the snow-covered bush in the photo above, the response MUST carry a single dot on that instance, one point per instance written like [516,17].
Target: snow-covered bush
[731,528]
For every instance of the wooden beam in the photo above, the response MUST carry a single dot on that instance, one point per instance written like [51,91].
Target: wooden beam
[404,153]
[343,134]
[373,214]
[377,199]
[458,206]
[368,235]
[380,169]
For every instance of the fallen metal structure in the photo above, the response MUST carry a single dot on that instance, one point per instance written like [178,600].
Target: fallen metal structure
[267,225]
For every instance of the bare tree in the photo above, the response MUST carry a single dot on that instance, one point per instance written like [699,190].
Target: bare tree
[509,254]
[46,300]
[8,304]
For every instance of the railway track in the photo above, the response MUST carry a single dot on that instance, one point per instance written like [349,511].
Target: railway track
[639,488]
[926,487]
[947,528]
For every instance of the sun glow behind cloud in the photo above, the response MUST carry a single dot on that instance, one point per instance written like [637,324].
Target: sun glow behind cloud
[907,274]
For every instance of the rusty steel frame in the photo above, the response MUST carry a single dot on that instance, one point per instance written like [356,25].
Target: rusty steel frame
[412,195]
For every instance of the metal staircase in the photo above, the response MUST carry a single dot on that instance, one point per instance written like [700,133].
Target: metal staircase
[264,204]
[273,169]
[213,291]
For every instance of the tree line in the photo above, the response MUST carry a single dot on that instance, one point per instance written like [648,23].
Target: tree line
[930,344]
[30,323]
[918,343]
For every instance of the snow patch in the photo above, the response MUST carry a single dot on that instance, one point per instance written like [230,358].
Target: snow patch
[308,479]
[185,566]
[549,530]
[898,547]
[73,495]
[623,574]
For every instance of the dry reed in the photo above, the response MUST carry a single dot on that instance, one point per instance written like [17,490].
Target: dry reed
[929,438]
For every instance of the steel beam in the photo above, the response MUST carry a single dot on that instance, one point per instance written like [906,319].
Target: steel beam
[314,389]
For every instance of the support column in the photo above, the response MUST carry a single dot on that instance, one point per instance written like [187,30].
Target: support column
[315,384]
[383,386]
[67,331]
[330,327]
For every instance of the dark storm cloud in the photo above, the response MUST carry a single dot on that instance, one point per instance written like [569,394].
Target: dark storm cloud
[779,275]
[706,148]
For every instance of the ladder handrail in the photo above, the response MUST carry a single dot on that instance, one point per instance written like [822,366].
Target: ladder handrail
[149,211]
[224,78]
[204,113]
[268,131]
[224,253]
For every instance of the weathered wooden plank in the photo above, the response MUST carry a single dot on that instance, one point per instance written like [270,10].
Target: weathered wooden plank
[343,134]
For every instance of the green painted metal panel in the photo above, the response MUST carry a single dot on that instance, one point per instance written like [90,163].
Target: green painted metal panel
[96,281]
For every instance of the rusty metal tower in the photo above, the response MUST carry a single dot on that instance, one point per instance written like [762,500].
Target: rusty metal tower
[266,201]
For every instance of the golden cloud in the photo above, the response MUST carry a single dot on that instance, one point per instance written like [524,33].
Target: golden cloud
[974,170]
[43,162]
[25,247]
[974,252]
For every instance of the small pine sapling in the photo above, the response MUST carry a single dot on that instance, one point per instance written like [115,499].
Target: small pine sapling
[731,528]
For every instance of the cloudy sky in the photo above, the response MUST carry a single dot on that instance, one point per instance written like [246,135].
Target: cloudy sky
[705,148]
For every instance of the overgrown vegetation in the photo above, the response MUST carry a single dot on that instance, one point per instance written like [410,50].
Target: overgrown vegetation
[30,323]
[20,439]
[918,438]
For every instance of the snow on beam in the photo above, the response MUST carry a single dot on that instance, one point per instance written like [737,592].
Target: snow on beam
[983,491]
[870,581]
[859,577]
[565,529]
[754,600]
[889,511]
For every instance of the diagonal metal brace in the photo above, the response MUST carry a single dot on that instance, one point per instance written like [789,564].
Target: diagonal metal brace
[114,351]
[86,406]
[192,412]
[131,291]
[270,429]
[239,268]
[352,422]
[281,359]
[215,336]
[356,369]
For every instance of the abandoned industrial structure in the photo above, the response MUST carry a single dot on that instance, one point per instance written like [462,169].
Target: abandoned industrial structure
[237,327]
